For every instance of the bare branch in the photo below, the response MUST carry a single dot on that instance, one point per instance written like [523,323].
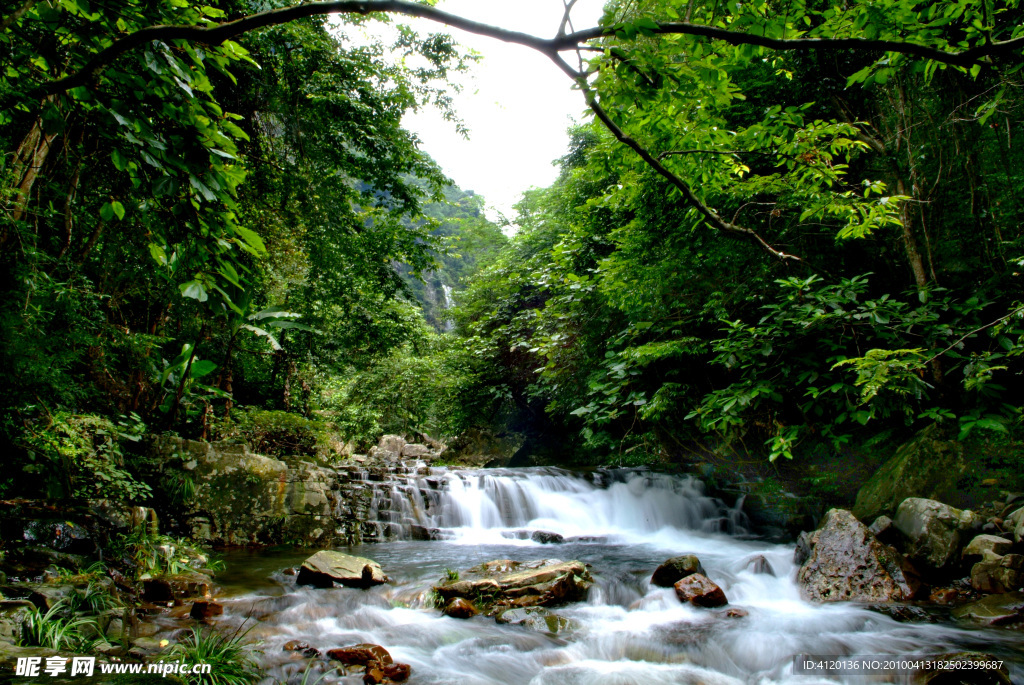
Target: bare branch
[565,17]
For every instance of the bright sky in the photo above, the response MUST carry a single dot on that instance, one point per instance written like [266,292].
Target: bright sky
[516,103]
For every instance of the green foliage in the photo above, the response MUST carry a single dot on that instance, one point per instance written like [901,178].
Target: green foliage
[81,456]
[149,553]
[279,433]
[57,629]
[231,659]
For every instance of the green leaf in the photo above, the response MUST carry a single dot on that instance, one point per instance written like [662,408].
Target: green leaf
[194,290]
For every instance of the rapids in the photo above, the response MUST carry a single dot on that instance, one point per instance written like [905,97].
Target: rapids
[627,632]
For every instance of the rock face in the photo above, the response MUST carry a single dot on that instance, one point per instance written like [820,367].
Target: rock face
[846,563]
[998,573]
[699,590]
[928,466]
[675,569]
[503,583]
[325,568]
[933,531]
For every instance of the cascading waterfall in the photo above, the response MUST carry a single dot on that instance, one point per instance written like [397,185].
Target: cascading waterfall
[622,523]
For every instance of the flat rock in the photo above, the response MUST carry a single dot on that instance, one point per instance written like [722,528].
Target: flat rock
[325,568]
[994,610]
[536,618]
[846,563]
[699,590]
[360,655]
[986,545]
[675,569]
[504,582]
[933,531]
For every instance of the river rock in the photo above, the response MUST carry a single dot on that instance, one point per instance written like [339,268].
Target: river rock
[203,610]
[998,573]
[513,583]
[760,566]
[975,675]
[327,567]
[883,529]
[675,569]
[460,608]
[177,588]
[985,545]
[535,618]
[46,596]
[933,530]
[386,673]
[997,610]
[546,537]
[1015,522]
[360,655]
[929,466]
[846,563]
[699,590]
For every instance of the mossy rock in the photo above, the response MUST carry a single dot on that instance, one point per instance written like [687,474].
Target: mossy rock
[929,466]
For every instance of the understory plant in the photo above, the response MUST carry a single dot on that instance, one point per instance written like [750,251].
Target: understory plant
[231,659]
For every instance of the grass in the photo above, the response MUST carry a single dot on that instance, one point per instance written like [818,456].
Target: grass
[57,630]
[231,659]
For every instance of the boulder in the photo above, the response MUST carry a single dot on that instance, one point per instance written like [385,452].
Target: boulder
[933,531]
[46,596]
[675,569]
[984,546]
[546,537]
[360,655]
[699,590]
[325,568]
[460,608]
[177,588]
[391,443]
[415,451]
[846,563]
[203,610]
[883,529]
[927,466]
[998,574]
[536,618]
[505,583]
[996,610]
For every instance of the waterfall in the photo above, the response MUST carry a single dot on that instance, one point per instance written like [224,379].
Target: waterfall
[446,304]
[499,505]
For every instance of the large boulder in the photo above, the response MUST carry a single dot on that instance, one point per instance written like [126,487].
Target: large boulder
[933,531]
[503,583]
[846,563]
[325,568]
[675,569]
[928,466]
[998,573]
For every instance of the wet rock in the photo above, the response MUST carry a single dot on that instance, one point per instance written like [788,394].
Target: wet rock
[998,574]
[295,646]
[944,595]
[675,569]
[46,596]
[997,610]
[903,613]
[760,566]
[512,583]
[460,608]
[203,610]
[699,590]
[62,536]
[360,655]
[803,548]
[386,673]
[846,563]
[985,545]
[982,674]
[536,618]
[176,588]
[929,466]
[325,568]
[736,613]
[933,531]
[546,537]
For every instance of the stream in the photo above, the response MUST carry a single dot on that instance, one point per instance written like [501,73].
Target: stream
[624,524]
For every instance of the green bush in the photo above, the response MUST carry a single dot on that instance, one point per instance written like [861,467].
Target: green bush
[278,433]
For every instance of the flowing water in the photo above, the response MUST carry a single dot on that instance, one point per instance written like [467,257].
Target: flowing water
[626,632]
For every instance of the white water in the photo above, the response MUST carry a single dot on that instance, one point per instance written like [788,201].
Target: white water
[628,631]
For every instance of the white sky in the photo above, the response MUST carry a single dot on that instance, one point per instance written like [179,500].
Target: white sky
[516,103]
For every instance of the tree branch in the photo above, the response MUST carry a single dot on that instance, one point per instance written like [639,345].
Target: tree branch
[218,33]
[16,14]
